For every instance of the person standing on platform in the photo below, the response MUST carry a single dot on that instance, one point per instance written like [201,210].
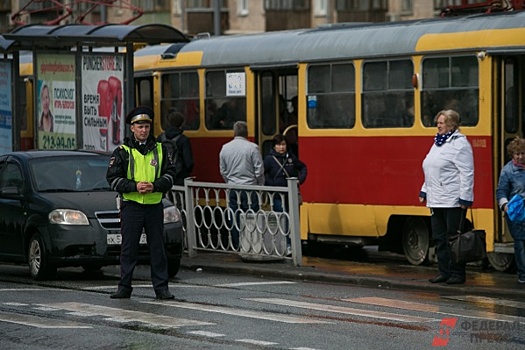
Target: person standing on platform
[181,143]
[141,170]
[241,163]
[448,190]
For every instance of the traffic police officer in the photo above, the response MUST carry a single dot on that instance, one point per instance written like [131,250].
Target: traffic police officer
[141,170]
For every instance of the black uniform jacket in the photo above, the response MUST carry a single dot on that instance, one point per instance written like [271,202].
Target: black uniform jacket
[117,174]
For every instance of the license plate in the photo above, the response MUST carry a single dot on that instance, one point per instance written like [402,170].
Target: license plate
[116,238]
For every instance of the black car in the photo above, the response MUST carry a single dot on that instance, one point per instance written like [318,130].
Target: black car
[57,210]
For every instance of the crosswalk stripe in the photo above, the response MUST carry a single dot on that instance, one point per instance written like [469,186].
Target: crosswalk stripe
[238,312]
[257,342]
[398,304]
[487,300]
[38,322]
[241,284]
[122,315]
[207,334]
[478,314]
[343,310]
[24,289]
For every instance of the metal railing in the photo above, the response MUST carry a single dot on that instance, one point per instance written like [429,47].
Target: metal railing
[257,222]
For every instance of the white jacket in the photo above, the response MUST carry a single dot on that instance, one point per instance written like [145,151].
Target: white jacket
[449,173]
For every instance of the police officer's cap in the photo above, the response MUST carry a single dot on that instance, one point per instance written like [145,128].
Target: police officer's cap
[140,114]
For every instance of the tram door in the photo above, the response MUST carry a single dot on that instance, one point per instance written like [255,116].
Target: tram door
[276,106]
[509,101]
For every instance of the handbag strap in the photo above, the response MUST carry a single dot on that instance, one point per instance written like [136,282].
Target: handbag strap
[282,166]
[459,231]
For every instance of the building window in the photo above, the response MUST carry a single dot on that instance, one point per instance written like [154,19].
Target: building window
[388,95]
[407,6]
[320,7]
[242,7]
[287,5]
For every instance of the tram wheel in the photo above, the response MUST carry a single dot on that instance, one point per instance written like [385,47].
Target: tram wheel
[416,240]
[501,261]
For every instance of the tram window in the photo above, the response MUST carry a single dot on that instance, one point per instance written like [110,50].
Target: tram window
[180,93]
[331,96]
[222,111]
[388,97]
[450,83]
[512,117]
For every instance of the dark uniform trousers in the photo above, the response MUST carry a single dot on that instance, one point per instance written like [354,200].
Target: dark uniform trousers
[134,217]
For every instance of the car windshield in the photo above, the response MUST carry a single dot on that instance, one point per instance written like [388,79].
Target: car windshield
[70,173]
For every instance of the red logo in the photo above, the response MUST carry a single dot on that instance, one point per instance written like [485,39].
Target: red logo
[445,327]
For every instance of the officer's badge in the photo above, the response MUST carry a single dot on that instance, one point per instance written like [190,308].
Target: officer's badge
[153,162]
[111,161]
[289,160]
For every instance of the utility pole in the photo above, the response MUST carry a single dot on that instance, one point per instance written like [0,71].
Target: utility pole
[217,17]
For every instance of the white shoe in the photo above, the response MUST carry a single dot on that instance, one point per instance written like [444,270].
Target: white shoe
[288,251]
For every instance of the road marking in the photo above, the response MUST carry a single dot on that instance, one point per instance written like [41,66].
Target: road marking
[398,304]
[238,312]
[124,316]
[207,334]
[38,322]
[344,310]
[111,288]
[241,284]
[487,300]
[24,289]
[405,305]
[256,342]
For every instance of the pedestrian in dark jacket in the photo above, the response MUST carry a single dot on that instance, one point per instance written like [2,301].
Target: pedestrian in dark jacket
[174,133]
[280,165]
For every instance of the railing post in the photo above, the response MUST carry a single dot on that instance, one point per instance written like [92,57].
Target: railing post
[295,234]
[190,218]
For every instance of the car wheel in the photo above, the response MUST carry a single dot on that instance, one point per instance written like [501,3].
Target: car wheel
[39,265]
[173,267]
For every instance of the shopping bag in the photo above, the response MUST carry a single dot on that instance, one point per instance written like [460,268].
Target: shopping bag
[468,247]
[516,209]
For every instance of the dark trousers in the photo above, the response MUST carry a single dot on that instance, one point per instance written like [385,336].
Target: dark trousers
[134,217]
[445,223]
[238,206]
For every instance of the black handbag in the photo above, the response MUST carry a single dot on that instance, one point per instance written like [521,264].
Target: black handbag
[468,246]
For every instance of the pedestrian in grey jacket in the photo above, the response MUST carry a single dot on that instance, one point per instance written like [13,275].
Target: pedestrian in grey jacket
[241,164]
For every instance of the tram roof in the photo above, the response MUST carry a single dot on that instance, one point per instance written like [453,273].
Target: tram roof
[31,35]
[344,40]
[5,44]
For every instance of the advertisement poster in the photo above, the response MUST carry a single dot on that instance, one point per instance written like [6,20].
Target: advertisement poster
[102,101]
[55,122]
[6,108]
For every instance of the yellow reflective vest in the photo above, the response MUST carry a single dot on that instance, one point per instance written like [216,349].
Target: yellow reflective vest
[144,168]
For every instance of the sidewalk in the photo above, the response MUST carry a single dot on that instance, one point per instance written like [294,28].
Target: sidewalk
[489,283]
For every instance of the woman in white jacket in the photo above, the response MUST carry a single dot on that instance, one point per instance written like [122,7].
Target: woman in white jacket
[448,190]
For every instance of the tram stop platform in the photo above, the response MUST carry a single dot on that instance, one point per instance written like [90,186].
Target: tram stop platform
[394,273]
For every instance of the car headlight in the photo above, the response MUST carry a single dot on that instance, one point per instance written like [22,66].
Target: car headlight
[68,217]
[171,214]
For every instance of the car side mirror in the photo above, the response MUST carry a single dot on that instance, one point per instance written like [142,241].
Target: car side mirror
[10,192]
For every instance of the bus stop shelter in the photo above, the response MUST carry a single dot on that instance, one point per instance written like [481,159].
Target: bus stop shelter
[9,62]
[83,80]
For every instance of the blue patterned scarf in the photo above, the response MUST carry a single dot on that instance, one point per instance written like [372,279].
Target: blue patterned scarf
[439,140]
